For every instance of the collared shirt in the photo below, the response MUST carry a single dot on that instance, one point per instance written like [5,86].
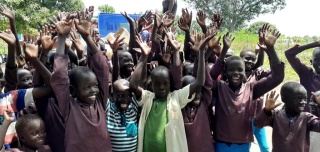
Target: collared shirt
[174,131]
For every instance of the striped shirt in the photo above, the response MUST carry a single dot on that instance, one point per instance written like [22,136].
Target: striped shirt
[122,127]
[14,100]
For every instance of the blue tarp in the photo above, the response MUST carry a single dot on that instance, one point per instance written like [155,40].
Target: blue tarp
[112,23]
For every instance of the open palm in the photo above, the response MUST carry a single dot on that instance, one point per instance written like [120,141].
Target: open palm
[8,37]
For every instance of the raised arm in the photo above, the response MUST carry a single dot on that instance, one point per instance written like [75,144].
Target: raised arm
[136,76]
[199,82]
[277,68]
[60,80]
[132,32]
[9,117]
[10,14]
[265,117]
[115,45]
[184,24]
[201,19]
[31,54]
[294,61]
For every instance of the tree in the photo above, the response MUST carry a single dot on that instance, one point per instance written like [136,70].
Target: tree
[32,14]
[106,9]
[237,12]
[254,27]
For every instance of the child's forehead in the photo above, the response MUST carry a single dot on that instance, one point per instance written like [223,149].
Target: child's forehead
[235,63]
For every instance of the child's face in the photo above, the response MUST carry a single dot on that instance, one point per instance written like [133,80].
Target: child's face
[87,88]
[235,72]
[24,79]
[316,61]
[161,84]
[249,59]
[122,96]
[34,134]
[126,62]
[297,101]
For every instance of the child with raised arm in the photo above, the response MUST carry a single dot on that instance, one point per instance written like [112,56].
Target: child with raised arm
[161,126]
[234,98]
[82,93]
[31,132]
[291,126]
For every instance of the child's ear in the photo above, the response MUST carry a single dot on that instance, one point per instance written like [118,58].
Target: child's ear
[22,139]
[72,91]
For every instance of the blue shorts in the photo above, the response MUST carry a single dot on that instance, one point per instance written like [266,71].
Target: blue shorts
[224,147]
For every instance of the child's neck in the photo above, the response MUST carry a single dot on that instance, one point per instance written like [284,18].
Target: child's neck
[291,113]
[27,149]
[234,88]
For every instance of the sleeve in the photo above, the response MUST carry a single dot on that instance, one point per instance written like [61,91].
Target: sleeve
[176,76]
[263,119]
[145,96]
[60,83]
[24,98]
[266,84]
[216,70]
[313,123]
[206,89]
[100,67]
[183,96]
[294,61]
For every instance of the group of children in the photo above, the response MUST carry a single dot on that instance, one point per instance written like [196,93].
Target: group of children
[150,96]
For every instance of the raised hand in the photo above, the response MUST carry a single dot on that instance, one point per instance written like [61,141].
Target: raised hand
[145,49]
[116,44]
[124,14]
[7,12]
[8,37]
[46,40]
[201,19]
[215,41]
[172,43]
[187,16]
[62,24]
[227,40]
[268,39]
[145,18]
[168,20]
[200,42]
[30,50]
[83,24]
[183,25]
[166,55]
[271,102]
[75,38]
[8,115]
[217,20]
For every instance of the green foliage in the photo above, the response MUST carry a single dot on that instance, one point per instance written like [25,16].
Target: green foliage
[237,12]
[254,27]
[106,9]
[31,14]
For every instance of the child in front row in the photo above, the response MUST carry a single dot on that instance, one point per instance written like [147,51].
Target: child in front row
[291,126]
[234,98]
[30,129]
[161,126]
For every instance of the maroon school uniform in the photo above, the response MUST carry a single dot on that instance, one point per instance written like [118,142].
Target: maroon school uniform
[198,130]
[289,135]
[308,78]
[234,110]
[85,127]
[256,75]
